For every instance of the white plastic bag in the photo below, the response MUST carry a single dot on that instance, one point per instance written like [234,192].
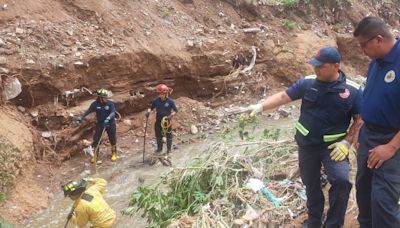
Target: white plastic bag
[11,87]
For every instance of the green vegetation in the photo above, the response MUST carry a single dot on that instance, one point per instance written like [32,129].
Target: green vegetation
[2,197]
[165,12]
[5,224]
[8,156]
[211,191]
[289,24]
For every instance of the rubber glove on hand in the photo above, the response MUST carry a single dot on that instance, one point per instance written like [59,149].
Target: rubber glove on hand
[106,122]
[169,117]
[340,150]
[255,108]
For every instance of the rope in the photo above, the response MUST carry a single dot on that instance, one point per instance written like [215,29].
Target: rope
[166,126]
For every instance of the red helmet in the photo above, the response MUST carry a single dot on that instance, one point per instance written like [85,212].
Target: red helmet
[162,88]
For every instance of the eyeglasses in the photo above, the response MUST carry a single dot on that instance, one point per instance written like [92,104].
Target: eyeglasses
[365,43]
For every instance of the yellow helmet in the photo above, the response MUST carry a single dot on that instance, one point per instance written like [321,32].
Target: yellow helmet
[103,93]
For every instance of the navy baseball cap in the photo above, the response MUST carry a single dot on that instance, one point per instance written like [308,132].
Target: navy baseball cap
[325,55]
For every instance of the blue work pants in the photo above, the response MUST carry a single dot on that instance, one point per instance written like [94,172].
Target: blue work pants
[311,160]
[378,190]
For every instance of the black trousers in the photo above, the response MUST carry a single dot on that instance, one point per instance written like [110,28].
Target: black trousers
[160,134]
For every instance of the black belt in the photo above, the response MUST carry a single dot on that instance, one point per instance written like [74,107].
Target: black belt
[380,129]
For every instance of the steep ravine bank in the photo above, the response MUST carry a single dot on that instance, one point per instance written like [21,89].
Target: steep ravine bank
[57,47]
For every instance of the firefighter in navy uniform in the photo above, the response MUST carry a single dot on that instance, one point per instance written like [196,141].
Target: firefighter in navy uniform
[378,158]
[329,102]
[105,114]
[165,109]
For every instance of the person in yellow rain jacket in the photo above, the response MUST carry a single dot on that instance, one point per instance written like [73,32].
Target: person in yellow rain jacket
[89,205]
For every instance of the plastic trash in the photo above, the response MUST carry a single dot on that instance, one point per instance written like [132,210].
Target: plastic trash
[11,87]
[258,186]
[89,151]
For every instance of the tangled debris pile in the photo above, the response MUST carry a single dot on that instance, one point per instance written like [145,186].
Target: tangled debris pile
[9,164]
[213,189]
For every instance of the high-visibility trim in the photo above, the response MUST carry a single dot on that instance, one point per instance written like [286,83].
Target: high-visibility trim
[353,84]
[330,138]
[301,129]
[313,76]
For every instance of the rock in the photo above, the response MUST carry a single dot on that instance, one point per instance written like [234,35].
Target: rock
[283,112]
[2,43]
[3,60]
[79,64]
[30,61]
[190,43]
[251,30]
[46,134]
[5,6]
[86,142]
[128,122]
[19,31]
[193,129]
[4,70]
[34,113]
[21,109]
[70,32]
[276,116]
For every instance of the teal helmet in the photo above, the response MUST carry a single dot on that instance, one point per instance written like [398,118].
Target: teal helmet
[103,93]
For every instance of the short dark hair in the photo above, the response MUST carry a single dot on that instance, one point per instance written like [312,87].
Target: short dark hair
[371,26]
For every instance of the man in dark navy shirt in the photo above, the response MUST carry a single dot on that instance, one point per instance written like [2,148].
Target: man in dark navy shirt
[378,173]
[329,102]
[165,110]
[105,114]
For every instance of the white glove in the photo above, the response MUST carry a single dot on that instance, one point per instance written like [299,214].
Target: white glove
[255,108]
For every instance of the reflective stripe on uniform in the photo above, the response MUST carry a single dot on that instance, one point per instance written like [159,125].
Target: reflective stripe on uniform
[353,84]
[313,76]
[330,138]
[301,129]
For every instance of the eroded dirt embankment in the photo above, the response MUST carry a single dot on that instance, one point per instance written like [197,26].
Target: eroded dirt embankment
[58,47]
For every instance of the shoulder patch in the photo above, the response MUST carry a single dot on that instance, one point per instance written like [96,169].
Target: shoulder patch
[311,76]
[352,84]
[87,197]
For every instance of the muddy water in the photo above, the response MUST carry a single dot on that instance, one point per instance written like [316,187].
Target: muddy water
[123,178]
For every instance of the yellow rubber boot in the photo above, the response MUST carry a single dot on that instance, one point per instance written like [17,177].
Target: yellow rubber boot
[114,153]
[93,159]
